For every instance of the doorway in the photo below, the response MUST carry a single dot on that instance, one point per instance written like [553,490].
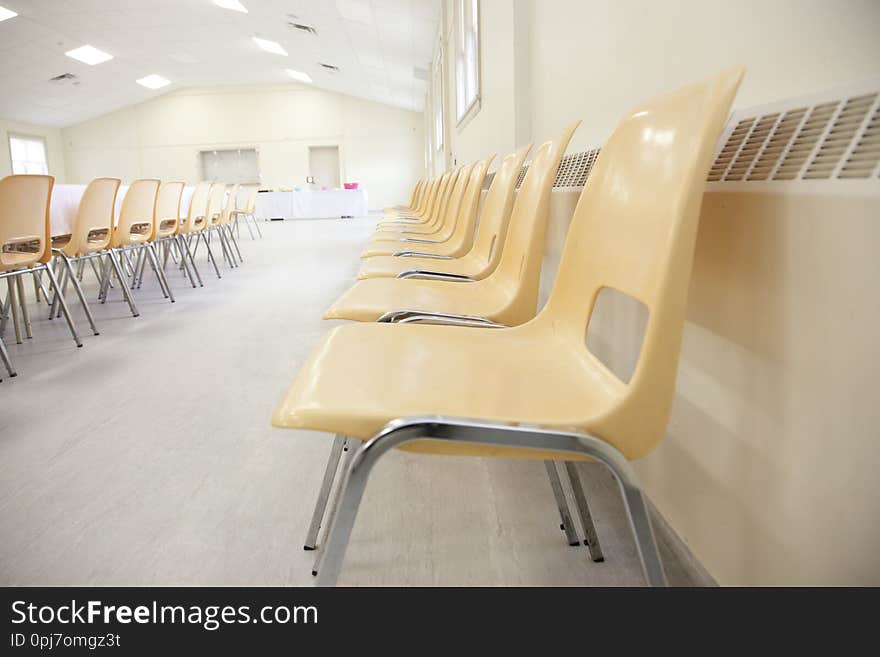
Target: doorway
[324,165]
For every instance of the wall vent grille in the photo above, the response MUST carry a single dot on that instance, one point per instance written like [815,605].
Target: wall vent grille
[832,138]
[575,169]
[522,175]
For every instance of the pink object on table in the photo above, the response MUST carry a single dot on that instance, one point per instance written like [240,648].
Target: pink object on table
[351,185]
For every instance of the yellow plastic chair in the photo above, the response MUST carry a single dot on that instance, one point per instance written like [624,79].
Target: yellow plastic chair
[223,226]
[204,213]
[458,238]
[166,233]
[245,210]
[483,257]
[133,236]
[414,212]
[191,227]
[409,207]
[507,296]
[448,212]
[88,241]
[25,248]
[537,389]
[425,216]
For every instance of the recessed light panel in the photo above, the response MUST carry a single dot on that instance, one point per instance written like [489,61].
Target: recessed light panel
[234,5]
[89,55]
[270,46]
[299,76]
[153,82]
[6,13]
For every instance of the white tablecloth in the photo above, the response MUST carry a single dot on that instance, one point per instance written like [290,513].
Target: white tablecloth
[65,202]
[308,204]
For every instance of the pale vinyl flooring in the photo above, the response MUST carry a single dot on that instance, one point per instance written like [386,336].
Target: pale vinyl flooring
[147,458]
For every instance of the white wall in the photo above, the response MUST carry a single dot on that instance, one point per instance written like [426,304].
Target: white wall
[54,147]
[767,470]
[596,60]
[380,146]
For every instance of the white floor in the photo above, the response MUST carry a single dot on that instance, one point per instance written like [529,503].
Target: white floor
[146,457]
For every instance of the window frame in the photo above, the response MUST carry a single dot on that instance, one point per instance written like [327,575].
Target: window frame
[23,136]
[465,112]
[438,109]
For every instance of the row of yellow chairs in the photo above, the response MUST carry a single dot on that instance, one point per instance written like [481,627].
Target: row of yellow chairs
[149,224]
[449,353]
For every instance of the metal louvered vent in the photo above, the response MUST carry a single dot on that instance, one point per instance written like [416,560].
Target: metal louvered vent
[522,175]
[835,137]
[575,169]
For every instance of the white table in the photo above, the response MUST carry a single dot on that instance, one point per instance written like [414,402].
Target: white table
[309,204]
[65,202]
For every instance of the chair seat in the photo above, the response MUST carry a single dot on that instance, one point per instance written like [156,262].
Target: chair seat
[362,376]
[10,260]
[368,300]
[389,246]
[391,266]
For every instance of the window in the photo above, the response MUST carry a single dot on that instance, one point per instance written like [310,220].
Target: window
[467,59]
[28,154]
[437,99]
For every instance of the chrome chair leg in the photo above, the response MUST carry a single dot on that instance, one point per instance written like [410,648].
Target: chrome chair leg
[25,313]
[126,292]
[404,430]
[38,281]
[334,507]
[160,274]
[64,309]
[5,312]
[170,245]
[324,493]
[13,301]
[566,523]
[186,254]
[210,253]
[591,538]
[234,243]
[256,225]
[79,292]
[7,361]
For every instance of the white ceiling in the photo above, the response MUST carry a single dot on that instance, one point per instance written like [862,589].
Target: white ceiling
[375,43]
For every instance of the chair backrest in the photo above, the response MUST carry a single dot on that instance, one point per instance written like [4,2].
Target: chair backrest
[455,196]
[215,203]
[414,197]
[231,200]
[462,236]
[427,195]
[495,213]
[519,268]
[252,200]
[138,213]
[24,217]
[94,216]
[168,206]
[443,216]
[198,206]
[634,230]
[434,210]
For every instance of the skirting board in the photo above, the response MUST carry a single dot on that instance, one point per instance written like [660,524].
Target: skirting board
[665,534]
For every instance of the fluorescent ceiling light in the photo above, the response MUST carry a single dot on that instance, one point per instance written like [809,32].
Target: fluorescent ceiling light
[153,82]
[6,13]
[89,55]
[270,46]
[297,75]
[234,5]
